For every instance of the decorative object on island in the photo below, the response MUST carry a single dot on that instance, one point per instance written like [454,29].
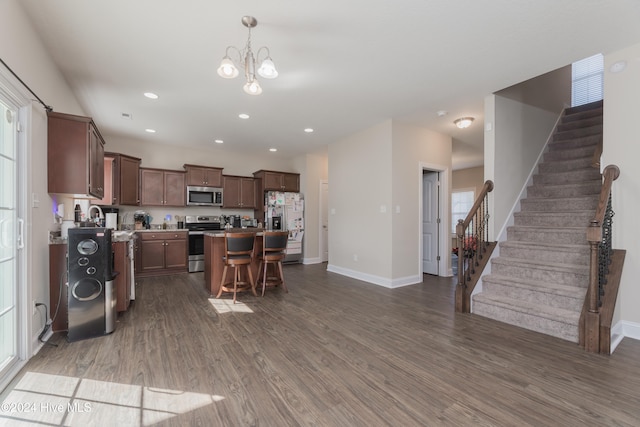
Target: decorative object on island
[246,60]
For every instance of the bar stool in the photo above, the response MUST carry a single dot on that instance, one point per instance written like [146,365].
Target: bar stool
[274,245]
[238,250]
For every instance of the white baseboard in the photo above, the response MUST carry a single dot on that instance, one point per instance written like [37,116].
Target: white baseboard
[376,280]
[316,260]
[37,344]
[624,329]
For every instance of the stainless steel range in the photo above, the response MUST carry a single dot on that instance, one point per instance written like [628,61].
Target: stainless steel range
[197,225]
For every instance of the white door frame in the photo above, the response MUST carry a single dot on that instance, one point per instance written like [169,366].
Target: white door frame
[444,212]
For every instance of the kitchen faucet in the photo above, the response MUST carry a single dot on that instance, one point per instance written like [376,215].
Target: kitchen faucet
[100,213]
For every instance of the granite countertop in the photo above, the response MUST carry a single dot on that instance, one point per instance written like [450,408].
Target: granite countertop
[220,233]
[156,230]
[116,236]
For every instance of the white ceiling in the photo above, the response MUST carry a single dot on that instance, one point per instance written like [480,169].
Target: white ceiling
[344,65]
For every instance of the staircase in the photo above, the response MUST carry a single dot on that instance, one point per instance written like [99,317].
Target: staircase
[540,279]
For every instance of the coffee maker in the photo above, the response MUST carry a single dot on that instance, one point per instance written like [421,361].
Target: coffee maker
[140,220]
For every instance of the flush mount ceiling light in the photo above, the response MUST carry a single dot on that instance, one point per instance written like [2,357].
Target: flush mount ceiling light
[246,59]
[463,122]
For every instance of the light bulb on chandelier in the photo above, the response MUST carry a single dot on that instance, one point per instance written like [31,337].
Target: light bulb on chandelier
[247,60]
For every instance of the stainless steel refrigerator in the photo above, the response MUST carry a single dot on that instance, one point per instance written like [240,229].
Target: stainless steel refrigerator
[285,211]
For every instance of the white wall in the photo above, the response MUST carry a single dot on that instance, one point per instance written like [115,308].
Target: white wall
[371,174]
[519,132]
[23,51]
[413,146]
[622,148]
[360,173]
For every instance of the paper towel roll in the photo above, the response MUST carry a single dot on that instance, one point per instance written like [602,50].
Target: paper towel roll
[111,220]
[64,229]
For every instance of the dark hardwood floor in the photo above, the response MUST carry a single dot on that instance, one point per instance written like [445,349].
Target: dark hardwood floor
[332,352]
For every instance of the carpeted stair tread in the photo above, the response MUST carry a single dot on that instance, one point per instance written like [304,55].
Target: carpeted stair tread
[560,165]
[569,153]
[577,133]
[551,313]
[552,219]
[559,247]
[535,285]
[591,187]
[559,204]
[545,251]
[560,267]
[573,142]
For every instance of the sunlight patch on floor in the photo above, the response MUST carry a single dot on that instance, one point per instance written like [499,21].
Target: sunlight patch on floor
[43,399]
[227,306]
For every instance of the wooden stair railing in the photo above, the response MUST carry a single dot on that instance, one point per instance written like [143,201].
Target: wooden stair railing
[473,248]
[605,268]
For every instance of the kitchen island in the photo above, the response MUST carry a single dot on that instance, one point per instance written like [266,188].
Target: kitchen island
[214,252]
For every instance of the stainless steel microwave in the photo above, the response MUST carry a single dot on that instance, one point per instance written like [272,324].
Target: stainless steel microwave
[204,196]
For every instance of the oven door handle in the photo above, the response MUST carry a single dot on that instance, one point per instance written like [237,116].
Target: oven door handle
[196,233]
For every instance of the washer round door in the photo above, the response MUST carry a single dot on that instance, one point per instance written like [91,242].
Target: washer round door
[86,289]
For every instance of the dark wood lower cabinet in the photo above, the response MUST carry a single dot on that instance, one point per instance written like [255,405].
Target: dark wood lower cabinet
[162,252]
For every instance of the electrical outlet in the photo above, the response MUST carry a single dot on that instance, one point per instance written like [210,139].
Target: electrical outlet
[355,257]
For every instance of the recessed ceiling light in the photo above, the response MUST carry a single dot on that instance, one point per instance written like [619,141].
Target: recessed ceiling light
[617,67]
[151,95]
[218,141]
[308,130]
[150,130]
[243,116]
[273,149]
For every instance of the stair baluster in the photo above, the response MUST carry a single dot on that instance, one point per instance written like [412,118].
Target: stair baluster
[599,237]
[472,235]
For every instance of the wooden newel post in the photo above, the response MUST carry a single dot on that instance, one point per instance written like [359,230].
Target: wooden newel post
[462,287]
[592,318]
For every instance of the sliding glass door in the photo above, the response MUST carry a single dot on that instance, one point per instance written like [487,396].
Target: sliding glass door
[11,328]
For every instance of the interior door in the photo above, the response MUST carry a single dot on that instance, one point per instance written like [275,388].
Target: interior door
[430,222]
[324,221]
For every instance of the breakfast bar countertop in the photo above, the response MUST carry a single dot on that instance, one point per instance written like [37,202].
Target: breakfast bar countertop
[220,233]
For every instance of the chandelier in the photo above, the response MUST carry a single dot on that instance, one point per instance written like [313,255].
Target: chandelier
[247,60]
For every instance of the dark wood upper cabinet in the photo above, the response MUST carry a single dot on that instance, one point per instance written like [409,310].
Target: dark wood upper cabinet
[159,187]
[203,176]
[121,176]
[75,156]
[278,181]
[239,192]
